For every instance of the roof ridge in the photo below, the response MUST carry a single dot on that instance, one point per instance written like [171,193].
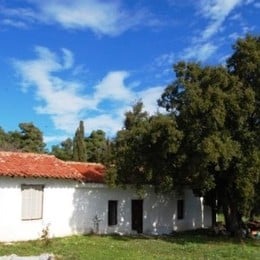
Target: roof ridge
[28,153]
[87,163]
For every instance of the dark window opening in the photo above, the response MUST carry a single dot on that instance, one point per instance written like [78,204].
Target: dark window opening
[112,212]
[180,209]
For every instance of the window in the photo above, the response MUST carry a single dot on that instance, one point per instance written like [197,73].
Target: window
[32,200]
[112,212]
[180,209]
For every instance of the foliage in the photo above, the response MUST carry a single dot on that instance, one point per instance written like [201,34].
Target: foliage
[93,148]
[244,63]
[98,147]
[216,110]
[189,245]
[4,140]
[28,139]
[45,236]
[145,150]
[79,148]
[31,138]
[209,139]
[64,151]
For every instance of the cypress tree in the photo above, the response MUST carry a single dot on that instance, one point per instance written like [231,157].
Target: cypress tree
[79,148]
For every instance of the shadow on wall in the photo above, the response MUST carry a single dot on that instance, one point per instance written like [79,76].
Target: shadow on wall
[88,212]
[158,213]
[196,214]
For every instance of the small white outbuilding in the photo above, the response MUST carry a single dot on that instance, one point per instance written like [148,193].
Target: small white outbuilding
[40,192]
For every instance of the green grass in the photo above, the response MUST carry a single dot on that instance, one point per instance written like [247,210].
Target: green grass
[188,245]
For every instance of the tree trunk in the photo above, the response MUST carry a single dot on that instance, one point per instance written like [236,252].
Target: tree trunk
[233,220]
[213,216]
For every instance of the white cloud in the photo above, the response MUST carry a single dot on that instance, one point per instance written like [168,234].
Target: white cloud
[58,98]
[66,101]
[233,36]
[13,23]
[218,9]
[150,97]
[236,17]
[27,14]
[216,12]
[249,1]
[110,124]
[68,58]
[101,17]
[54,138]
[161,67]
[165,59]
[112,87]
[201,51]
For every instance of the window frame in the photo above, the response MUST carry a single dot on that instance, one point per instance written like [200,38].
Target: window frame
[32,201]
[112,213]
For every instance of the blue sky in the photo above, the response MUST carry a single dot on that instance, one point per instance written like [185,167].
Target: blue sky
[66,61]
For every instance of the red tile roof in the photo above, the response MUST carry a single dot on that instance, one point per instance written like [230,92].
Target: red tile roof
[15,164]
[91,172]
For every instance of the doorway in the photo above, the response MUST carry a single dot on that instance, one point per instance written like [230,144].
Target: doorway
[137,215]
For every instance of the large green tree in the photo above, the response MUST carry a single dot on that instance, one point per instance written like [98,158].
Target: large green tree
[28,139]
[216,109]
[209,139]
[31,138]
[245,63]
[145,150]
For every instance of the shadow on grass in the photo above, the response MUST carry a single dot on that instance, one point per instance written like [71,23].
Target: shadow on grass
[201,236]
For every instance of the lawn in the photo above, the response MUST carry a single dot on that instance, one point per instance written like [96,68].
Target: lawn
[188,245]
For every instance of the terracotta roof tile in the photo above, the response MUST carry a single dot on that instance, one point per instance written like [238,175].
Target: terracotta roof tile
[91,172]
[15,164]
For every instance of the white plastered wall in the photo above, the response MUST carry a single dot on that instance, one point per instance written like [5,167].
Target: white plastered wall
[69,208]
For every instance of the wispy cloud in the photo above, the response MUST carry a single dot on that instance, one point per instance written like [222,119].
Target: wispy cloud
[161,67]
[101,106]
[215,13]
[13,23]
[17,17]
[58,98]
[101,17]
[199,51]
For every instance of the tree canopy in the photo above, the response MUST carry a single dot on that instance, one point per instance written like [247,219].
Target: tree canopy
[98,147]
[93,148]
[217,110]
[64,150]
[28,139]
[145,150]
